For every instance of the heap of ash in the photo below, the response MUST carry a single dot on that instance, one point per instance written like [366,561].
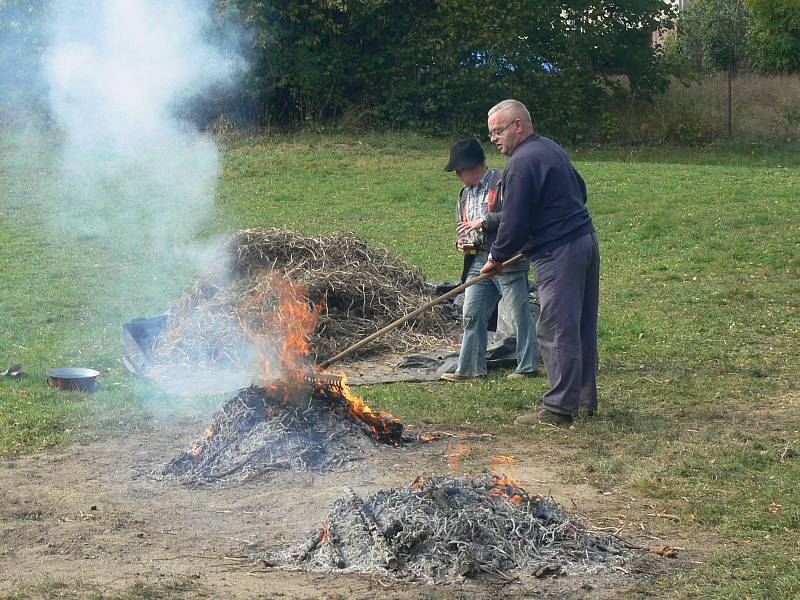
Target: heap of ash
[443,528]
[257,431]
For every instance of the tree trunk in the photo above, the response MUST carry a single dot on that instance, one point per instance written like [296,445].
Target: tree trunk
[730,104]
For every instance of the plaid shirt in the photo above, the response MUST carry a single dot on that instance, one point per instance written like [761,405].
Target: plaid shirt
[475,203]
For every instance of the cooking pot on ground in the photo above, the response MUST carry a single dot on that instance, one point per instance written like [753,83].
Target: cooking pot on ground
[73,378]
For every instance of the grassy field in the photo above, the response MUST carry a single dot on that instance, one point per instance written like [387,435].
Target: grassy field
[700,317]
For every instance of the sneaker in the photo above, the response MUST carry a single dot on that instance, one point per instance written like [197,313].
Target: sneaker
[542,417]
[518,375]
[456,378]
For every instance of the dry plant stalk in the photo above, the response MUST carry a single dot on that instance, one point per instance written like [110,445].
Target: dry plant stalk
[354,288]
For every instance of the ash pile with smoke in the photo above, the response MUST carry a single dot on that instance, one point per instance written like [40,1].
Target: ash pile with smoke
[444,529]
[264,430]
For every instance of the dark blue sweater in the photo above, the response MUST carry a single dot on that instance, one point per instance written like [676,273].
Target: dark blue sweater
[544,201]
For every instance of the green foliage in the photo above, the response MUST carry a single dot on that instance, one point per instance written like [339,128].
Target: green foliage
[776,34]
[688,130]
[713,35]
[433,65]
[440,65]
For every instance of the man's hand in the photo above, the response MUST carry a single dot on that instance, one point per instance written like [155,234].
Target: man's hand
[466,226]
[492,267]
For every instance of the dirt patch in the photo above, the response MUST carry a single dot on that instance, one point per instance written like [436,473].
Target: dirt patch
[89,515]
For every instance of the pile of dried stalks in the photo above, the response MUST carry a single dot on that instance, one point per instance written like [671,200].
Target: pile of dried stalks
[354,288]
[255,432]
[443,528]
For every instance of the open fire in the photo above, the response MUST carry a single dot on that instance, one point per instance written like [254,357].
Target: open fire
[296,417]
[283,345]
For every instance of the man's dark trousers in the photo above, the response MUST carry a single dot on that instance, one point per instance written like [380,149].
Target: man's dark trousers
[568,280]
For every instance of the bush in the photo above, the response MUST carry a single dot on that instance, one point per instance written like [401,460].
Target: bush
[439,66]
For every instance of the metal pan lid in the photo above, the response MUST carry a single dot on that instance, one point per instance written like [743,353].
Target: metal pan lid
[72,373]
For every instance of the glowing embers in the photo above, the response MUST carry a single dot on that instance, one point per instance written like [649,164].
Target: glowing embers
[284,357]
[446,528]
[256,432]
[386,428]
[296,418]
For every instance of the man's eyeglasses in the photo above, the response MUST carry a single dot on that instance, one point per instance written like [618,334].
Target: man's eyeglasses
[496,132]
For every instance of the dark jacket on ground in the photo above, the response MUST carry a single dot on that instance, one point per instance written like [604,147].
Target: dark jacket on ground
[544,201]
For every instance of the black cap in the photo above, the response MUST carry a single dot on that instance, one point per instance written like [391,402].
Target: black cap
[466,153]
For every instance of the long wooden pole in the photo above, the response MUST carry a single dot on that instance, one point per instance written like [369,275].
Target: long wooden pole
[438,300]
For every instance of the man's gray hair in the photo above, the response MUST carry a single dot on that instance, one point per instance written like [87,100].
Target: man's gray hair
[516,109]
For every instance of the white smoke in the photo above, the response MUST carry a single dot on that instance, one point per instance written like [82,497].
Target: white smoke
[136,175]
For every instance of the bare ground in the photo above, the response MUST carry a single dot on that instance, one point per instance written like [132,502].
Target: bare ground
[86,518]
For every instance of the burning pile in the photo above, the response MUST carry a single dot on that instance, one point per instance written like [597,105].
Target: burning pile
[263,430]
[442,528]
[354,290]
[298,418]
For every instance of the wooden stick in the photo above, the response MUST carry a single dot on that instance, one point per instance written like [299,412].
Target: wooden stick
[454,292]
[380,545]
[337,558]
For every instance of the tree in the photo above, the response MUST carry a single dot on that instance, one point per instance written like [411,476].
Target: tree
[714,35]
[776,34]
[440,64]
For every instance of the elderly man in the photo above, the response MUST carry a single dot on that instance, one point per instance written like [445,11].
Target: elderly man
[478,216]
[545,217]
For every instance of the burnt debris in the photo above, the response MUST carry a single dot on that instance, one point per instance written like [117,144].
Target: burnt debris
[445,528]
[259,431]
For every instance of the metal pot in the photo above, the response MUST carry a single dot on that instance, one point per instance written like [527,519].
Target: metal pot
[73,378]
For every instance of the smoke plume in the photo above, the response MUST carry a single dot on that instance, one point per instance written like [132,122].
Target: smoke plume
[95,98]
[118,73]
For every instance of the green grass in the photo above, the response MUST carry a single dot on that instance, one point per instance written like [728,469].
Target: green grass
[700,319]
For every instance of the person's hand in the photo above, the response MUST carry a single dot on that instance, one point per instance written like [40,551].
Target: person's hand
[492,267]
[460,243]
[466,226]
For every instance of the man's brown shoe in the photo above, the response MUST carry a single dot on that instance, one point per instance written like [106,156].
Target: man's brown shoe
[542,417]
[456,378]
[518,375]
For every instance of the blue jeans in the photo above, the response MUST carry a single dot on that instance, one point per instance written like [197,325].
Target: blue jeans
[479,303]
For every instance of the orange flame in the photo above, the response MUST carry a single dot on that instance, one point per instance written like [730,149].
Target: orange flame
[324,535]
[420,481]
[281,338]
[384,425]
[508,488]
